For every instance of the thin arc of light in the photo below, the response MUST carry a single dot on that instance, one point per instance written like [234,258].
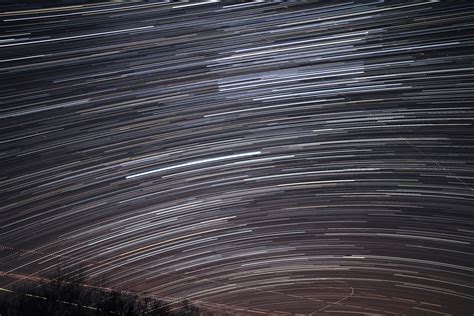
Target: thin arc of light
[196,162]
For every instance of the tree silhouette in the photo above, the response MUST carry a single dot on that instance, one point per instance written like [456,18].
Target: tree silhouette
[66,294]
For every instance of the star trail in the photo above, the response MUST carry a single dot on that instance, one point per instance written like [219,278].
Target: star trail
[259,157]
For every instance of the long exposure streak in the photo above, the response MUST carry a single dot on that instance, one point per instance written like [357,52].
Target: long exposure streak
[273,157]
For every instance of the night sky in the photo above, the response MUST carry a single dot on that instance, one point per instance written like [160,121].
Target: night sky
[263,157]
